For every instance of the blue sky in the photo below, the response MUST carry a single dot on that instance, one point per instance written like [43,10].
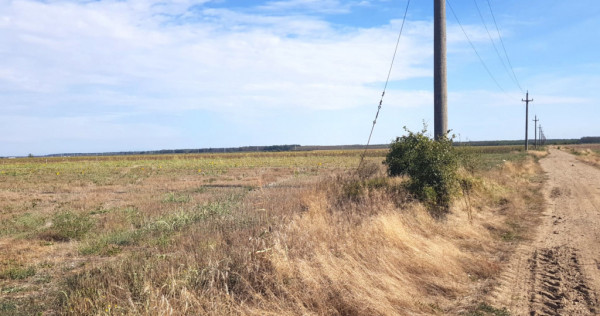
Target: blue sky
[120,75]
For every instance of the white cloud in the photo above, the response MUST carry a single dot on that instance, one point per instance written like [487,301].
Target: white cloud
[323,6]
[127,54]
[85,61]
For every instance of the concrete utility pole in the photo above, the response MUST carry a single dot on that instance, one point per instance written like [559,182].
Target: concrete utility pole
[527,119]
[440,105]
[535,131]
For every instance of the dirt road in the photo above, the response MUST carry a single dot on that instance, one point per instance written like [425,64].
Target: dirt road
[559,273]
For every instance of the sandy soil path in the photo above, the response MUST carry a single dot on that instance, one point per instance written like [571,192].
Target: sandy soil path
[559,273]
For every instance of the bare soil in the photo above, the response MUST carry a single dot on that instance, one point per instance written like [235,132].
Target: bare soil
[559,272]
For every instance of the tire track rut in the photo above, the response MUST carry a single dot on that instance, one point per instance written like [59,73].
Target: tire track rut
[558,286]
[558,273]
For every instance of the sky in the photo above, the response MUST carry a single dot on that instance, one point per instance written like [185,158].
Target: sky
[127,75]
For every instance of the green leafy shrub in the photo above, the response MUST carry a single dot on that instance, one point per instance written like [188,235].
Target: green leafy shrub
[431,165]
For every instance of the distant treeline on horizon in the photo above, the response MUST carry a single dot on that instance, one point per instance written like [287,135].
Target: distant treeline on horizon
[295,147]
[574,141]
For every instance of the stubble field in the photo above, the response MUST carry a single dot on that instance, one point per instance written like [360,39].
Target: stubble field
[254,233]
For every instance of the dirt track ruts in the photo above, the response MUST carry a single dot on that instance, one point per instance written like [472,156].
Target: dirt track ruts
[559,272]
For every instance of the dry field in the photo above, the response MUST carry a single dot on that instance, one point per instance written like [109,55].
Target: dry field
[255,233]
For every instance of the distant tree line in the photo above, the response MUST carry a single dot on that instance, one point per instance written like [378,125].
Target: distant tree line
[590,140]
[280,148]
[188,151]
[574,141]
[296,147]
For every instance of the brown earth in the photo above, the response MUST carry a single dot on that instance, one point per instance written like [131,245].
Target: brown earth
[559,272]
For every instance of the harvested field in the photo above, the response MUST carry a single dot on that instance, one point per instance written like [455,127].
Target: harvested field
[276,233]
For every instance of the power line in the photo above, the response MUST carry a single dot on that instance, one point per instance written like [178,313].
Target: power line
[494,44]
[504,47]
[512,70]
[474,49]
[387,80]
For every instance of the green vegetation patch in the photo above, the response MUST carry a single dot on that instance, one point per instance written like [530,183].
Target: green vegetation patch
[14,271]
[7,307]
[22,223]
[488,158]
[67,225]
[432,166]
[156,230]
[172,197]
[485,309]
[11,289]
[24,306]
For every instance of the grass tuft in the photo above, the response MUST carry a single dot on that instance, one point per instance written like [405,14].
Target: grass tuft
[172,197]
[485,309]
[17,273]
[66,226]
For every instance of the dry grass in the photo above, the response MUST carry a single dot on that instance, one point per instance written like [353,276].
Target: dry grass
[588,153]
[243,237]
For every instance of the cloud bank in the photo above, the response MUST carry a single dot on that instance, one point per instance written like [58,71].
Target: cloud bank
[136,74]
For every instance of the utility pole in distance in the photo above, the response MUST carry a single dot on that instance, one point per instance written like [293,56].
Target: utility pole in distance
[527,119]
[542,136]
[535,131]
[440,105]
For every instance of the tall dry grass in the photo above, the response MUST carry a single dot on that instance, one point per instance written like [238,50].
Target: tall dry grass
[341,246]
[588,153]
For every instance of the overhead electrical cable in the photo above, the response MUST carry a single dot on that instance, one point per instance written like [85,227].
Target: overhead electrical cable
[475,49]
[504,47]
[494,45]
[387,80]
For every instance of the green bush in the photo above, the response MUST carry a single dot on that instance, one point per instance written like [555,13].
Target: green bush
[431,166]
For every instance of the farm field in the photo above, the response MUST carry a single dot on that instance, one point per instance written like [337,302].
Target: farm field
[255,233]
